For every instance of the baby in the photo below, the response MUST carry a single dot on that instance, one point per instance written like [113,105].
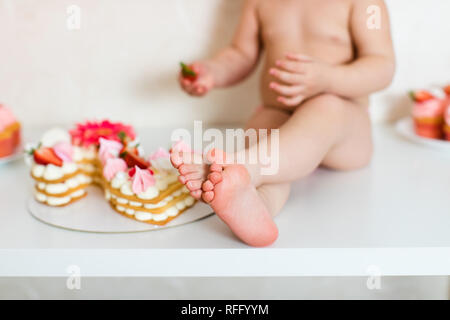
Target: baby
[323,58]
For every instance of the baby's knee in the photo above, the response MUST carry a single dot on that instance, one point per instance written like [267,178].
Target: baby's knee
[326,101]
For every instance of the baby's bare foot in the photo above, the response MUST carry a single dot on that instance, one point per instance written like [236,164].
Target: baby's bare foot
[229,191]
[192,170]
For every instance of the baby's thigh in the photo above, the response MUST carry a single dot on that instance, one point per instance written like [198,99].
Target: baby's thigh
[267,118]
[354,150]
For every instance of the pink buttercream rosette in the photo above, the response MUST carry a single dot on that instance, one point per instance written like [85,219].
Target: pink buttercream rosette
[160,160]
[109,149]
[64,151]
[112,167]
[142,180]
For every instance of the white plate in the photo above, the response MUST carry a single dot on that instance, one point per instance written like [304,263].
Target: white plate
[405,127]
[94,214]
[15,156]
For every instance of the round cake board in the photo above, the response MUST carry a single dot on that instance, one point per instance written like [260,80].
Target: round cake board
[405,127]
[94,214]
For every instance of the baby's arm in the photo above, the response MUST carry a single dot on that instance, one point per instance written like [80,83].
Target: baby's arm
[374,66]
[233,63]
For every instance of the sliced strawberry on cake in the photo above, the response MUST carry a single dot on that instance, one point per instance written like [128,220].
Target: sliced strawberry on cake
[132,172]
[45,156]
[132,158]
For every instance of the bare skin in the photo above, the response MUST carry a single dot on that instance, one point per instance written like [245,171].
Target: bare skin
[321,63]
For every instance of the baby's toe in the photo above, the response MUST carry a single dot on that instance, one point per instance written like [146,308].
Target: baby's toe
[176,159]
[215,167]
[207,186]
[182,179]
[194,176]
[187,168]
[193,185]
[215,177]
[197,194]
[208,196]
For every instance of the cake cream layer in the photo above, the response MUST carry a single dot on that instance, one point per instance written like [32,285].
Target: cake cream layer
[55,174]
[63,188]
[57,201]
[165,204]
[162,218]
[154,198]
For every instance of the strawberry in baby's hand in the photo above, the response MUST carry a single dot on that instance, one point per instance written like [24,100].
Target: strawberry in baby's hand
[420,95]
[132,158]
[188,73]
[46,156]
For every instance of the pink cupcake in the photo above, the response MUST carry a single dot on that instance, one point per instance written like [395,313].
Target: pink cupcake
[9,132]
[428,114]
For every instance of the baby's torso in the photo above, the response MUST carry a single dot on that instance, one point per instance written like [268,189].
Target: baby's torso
[317,28]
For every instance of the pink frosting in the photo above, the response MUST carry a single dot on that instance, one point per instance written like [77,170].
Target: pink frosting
[158,154]
[64,151]
[142,180]
[6,118]
[112,167]
[109,149]
[428,109]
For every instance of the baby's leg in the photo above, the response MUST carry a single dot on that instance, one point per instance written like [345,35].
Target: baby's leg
[325,129]
[273,195]
[248,210]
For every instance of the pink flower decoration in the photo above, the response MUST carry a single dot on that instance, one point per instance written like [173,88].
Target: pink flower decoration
[181,146]
[109,149]
[64,151]
[90,133]
[112,167]
[142,180]
[158,154]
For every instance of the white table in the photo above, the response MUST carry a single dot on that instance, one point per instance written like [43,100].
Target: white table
[390,219]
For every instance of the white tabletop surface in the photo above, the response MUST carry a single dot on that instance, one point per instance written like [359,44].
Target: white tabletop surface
[392,217]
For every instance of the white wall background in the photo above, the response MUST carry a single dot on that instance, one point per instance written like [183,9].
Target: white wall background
[123,61]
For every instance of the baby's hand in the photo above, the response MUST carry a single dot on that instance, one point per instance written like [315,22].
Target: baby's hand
[201,84]
[301,77]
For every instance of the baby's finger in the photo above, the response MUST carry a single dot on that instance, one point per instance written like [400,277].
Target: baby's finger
[291,66]
[299,57]
[291,102]
[200,90]
[287,77]
[185,84]
[288,91]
